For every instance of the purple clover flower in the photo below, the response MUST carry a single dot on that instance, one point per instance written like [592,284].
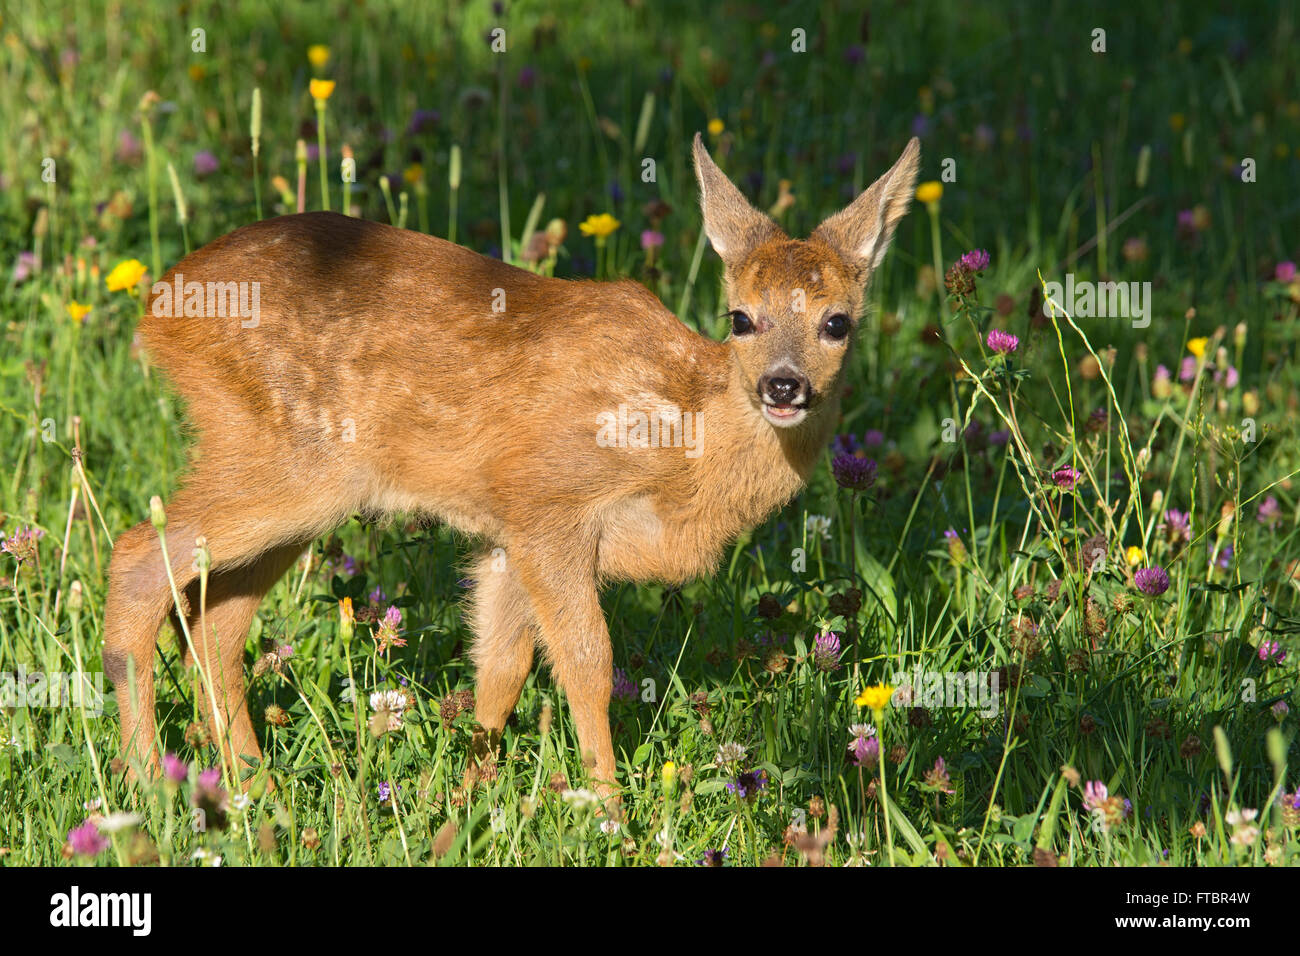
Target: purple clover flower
[422,121]
[1153,580]
[1066,478]
[205,163]
[1004,343]
[853,473]
[175,769]
[845,445]
[748,784]
[977,260]
[1270,513]
[624,688]
[1178,525]
[826,651]
[86,840]
[865,747]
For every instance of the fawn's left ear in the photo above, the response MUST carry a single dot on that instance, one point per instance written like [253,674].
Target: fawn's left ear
[861,231]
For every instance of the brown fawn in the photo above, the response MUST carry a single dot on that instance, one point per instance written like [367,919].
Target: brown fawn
[382,375]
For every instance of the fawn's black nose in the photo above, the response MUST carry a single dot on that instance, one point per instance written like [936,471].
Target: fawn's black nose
[784,387]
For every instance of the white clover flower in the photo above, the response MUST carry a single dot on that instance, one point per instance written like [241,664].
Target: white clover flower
[118,820]
[731,753]
[818,524]
[393,701]
[583,799]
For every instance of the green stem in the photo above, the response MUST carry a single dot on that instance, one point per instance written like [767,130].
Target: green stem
[320,141]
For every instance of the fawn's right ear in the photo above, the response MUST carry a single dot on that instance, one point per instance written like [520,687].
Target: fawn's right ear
[734,227]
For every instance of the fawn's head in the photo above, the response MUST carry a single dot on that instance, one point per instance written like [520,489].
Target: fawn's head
[794,304]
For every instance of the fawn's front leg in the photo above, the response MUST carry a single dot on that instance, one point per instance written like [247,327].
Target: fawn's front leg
[575,639]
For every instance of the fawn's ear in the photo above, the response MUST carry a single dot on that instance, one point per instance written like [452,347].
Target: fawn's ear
[861,231]
[733,226]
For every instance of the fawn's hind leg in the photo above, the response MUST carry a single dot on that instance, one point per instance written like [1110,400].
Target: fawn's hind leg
[233,596]
[139,598]
[504,636]
[140,595]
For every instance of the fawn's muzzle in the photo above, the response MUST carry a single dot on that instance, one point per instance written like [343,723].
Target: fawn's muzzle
[785,395]
[783,387]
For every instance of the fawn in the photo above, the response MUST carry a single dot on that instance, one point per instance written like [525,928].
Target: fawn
[377,377]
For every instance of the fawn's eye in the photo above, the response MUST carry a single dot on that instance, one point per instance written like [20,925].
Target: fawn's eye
[741,324]
[837,326]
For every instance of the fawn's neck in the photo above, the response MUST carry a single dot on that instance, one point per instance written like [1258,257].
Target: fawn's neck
[749,467]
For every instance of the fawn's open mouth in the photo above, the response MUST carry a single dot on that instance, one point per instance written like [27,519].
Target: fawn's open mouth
[784,415]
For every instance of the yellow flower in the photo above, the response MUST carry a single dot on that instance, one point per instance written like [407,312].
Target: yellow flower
[347,620]
[876,696]
[1134,556]
[1177,121]
[77,310]
[318,54]
[197,72]
[125,275]
[929,192]
[599,226]
[669,773]
[716,126]
[321,90]
[414,173]
[1197,346]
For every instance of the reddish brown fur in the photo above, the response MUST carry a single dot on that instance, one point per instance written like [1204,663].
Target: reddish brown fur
[486,420]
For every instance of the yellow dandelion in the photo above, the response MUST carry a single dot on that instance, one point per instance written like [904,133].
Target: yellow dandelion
[599,226]
[1134,556]
[1197,346]
[125,275]
[197,72]
[77,310]
[716,126]
[929,192]
[318,54]
[875,697]
[413,174]
[669,773]
[321,90]
[1177,121]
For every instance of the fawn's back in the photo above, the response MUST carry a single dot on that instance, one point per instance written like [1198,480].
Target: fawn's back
[388,370]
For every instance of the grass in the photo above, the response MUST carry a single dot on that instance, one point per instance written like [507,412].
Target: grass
[1066,160]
